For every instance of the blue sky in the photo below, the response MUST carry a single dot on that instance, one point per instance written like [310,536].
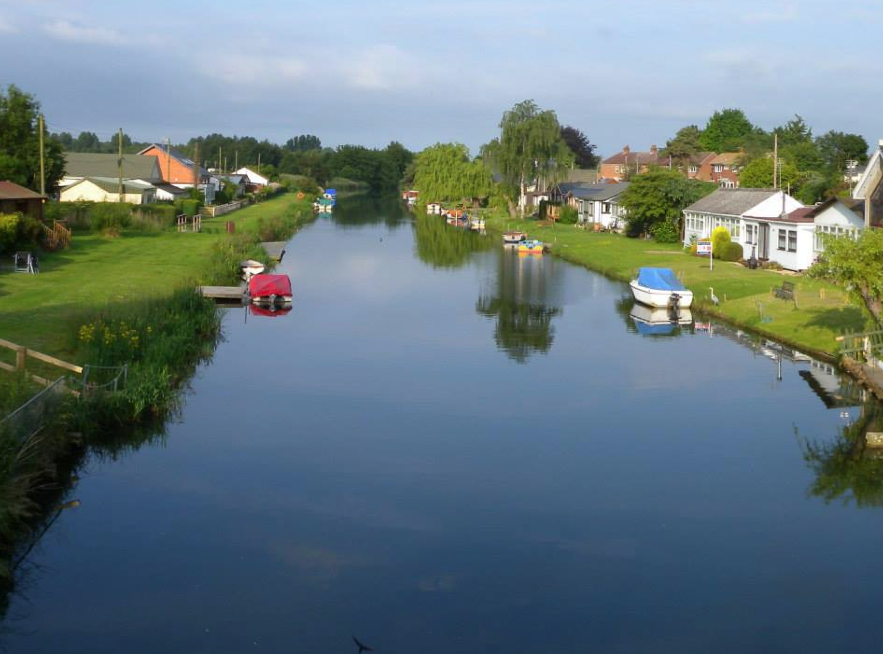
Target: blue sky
[628,72]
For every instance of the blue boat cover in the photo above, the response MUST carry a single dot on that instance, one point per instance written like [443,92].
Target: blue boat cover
[654,330]
[331,191]
[662,279]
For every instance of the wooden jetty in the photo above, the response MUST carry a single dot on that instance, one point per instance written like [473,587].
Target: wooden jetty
[223,293]
[274,249]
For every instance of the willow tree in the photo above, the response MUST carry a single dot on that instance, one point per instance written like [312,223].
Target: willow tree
[445,172]
[529,150]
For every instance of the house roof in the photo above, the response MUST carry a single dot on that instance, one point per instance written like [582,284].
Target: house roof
[633,157]
[183,159]
[112,185]
[239,179]
[599,192]
[92,164]
[871,175]
[727,158]
[12,191]
[171,188]
[855,206]
[701,157]
[801,215]
[731,201]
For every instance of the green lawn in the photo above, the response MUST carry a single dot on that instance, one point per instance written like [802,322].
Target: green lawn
[821,311]
[43,311]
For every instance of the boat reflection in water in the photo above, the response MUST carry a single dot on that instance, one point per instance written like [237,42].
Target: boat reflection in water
[650,321]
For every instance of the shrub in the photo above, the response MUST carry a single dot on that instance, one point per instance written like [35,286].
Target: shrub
[187,207]
[9,223]
[568,215]
[666,231]
[731,252]
[110,217]
[720,238]
[153,217]
[309,187]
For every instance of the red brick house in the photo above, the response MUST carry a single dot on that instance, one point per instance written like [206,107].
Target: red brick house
[175,167]
[699,165]
[725,169]
[624,164]
[18,199]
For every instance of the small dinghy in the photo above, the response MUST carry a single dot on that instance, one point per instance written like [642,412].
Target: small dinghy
[270,289]
[660,288]
[531,247]
[513,238]
[250,268]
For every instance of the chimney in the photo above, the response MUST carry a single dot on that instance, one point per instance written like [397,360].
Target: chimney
[653,149]
[625,149]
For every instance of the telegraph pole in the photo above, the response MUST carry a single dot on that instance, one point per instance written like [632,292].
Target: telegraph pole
[259,163]
[120,161]
[196,165]
[236,159]
[220,170]
[42,162]
[168,160]
[775,160]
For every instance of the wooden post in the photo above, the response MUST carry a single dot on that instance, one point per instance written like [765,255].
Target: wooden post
[21,354]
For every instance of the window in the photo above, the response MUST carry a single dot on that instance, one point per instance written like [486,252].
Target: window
[605,207]
[792,240]
[834,230]
[693,170]
[751,234]
[718,168]
[782,238]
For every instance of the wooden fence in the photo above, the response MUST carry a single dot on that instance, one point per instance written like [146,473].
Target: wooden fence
[22,354]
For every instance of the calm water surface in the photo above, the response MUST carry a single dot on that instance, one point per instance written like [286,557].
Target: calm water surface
[448,448]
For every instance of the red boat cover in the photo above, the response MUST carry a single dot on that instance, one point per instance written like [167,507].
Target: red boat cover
[272,313]
[266,285]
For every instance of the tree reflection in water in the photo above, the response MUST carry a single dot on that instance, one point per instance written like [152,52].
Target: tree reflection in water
[442,246]
[521,305]
[360,209]
[847,468]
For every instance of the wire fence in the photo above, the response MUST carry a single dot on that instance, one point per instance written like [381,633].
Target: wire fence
[31,416]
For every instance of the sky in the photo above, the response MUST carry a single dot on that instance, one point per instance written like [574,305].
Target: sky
[369,72]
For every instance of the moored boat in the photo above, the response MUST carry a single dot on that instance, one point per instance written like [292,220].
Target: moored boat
[514,238]
[531,247]
[250,267]
[477,223]
[652,321]
[660,288]
[269,289]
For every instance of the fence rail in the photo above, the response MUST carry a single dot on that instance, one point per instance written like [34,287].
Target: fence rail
[867,344]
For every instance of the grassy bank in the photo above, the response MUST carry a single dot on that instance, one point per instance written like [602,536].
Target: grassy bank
[819,314]
[110,301]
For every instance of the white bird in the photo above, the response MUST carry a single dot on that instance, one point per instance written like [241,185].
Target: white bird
[714,298]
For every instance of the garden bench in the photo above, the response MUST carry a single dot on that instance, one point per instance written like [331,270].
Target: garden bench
[785,291]
[25,262]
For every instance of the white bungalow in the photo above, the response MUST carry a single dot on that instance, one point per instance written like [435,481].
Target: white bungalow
[758,220]
[255,180]
[595,203]
[106,189]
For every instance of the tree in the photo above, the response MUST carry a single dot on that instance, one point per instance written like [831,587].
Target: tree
[794,131]
[399,157]
[87,142]
[836,148]
[856,264]
[583,151]
[685,143]
[20,142]
[759,174]
[445,172]
[303,143]
[659,196]
[726,131]
[803,155]
[529,148]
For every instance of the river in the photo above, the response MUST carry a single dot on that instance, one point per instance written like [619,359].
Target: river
[445,447]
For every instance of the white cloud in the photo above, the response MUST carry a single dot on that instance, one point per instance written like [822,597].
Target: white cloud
[380,68]
[254,70]
[67,31]
[784,13]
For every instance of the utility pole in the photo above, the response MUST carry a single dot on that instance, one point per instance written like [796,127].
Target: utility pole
[219,159]
[259,163]
[236,159]
[42,162]
[120,162]
[196,165]
[168,160]
[775,159]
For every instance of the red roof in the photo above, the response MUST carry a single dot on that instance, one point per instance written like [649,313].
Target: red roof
[802,215]
[12,191]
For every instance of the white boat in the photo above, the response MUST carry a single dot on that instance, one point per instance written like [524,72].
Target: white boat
[477,223]
[250,267]
[514,238]
[659,287]
[654,316]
